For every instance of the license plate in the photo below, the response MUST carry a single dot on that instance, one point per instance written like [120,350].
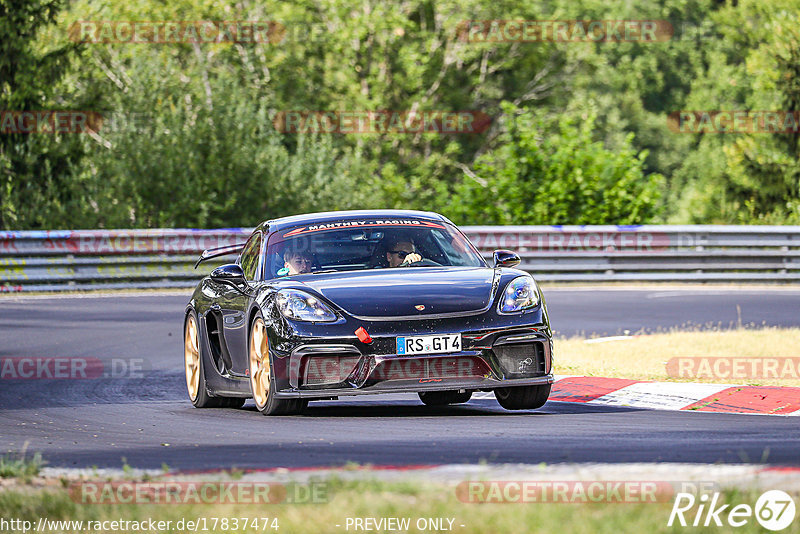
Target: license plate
[436,344]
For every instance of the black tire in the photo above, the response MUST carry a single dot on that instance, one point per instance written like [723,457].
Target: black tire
[202,399]
[523,397]
[441,398]
[264,398]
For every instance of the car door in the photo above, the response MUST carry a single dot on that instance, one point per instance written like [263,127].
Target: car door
[234,304]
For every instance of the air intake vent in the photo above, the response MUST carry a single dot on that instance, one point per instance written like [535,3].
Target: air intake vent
[523,360]
[328,369]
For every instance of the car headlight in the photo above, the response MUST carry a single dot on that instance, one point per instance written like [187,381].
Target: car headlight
[520,294]
[300,306]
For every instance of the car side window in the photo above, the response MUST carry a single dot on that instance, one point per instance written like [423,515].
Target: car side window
[249,258]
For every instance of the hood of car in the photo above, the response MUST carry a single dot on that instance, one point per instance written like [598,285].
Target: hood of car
[407,291]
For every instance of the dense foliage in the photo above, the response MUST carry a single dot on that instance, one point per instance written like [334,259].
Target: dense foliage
[579,131]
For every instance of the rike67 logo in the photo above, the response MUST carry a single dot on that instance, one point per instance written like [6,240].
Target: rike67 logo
[774,510]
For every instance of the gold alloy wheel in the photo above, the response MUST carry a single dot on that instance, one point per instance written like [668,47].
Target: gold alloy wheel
[191,355]
[259,363]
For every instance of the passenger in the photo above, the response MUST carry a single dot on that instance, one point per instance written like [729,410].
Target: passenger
[296,262]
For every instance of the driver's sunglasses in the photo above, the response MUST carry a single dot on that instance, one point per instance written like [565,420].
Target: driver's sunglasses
[401,253]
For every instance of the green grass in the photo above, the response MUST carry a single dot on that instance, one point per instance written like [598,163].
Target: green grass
[18,466]
[371,498]
[645,357]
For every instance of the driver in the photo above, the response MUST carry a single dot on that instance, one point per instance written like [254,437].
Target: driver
[401,251]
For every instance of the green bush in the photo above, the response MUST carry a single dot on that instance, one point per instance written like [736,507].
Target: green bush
[550,170]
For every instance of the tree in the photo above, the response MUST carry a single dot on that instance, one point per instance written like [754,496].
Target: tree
[36,187]
[550,170]
[753,64]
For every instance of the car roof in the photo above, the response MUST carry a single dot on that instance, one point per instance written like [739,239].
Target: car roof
[328,216]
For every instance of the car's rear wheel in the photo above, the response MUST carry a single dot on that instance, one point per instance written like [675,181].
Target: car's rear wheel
[440,398]
[523,397]
[262,381]
[195,374]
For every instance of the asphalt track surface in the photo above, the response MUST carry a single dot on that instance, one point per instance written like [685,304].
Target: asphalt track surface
[149,422]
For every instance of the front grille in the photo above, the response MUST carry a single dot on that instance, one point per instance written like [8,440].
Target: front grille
[522,360]
[464,367]
[328,369]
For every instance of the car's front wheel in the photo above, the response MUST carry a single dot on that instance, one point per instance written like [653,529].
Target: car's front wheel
[262,381]
[523,397]
[440,398]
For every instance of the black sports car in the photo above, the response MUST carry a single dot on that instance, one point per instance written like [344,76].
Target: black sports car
[350,303]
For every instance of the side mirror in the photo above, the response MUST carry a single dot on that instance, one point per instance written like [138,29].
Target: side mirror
[506,258]
[230,272]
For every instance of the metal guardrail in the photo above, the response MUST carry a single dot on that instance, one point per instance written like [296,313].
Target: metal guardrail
[697,253]
[113,259]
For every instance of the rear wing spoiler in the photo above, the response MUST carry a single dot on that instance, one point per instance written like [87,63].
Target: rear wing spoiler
[219,251]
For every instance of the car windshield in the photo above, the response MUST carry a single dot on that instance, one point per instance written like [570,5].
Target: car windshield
[358,244]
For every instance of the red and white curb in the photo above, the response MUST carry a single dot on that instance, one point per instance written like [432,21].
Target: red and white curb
[682,396]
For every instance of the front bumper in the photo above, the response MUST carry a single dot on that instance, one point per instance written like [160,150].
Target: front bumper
[314,368]
[413,388]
